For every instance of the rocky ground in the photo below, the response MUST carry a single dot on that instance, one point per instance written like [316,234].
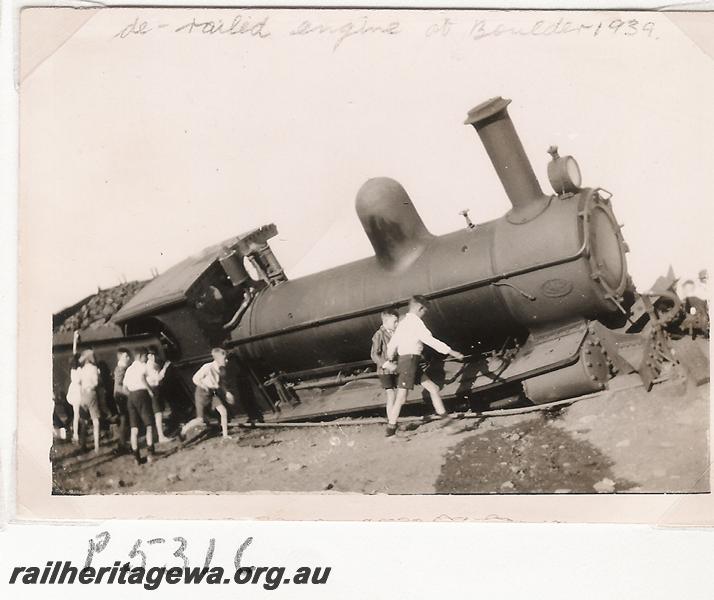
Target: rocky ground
[621,441]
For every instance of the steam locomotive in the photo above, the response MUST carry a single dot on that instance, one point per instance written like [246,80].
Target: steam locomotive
[539,300]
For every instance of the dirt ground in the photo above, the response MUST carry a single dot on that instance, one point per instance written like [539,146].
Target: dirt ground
[620,441]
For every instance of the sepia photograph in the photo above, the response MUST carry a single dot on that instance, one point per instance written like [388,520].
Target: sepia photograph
[364,252]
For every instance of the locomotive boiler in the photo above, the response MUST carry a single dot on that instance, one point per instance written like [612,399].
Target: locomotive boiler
[539,299]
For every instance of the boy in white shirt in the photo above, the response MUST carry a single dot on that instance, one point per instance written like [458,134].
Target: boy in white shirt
[211,392]
[154,377]
[139,404]
[88,375]
[407,343]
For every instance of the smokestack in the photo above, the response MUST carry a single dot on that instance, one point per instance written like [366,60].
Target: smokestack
[504,148]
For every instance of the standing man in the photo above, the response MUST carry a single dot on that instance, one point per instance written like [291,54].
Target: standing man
[696,311]
[407,343]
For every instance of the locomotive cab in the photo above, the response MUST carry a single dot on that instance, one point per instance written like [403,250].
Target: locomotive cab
[195,304]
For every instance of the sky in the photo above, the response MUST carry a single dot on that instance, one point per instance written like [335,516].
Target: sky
[141,144]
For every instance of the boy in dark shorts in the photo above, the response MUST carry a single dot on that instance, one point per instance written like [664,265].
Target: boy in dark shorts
[154,376]
[385,369]
[407,344]
[139,404]
[121,397]
[211,393]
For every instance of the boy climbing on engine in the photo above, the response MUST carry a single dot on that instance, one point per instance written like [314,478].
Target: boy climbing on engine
[407,344]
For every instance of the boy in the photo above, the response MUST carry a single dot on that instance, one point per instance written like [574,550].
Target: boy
[407,343]
[139,404]
[211,392]
[88,384]
[380,339]
[121,397]
[154,377]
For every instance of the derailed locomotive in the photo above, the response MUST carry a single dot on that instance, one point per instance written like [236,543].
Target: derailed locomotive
[539,300]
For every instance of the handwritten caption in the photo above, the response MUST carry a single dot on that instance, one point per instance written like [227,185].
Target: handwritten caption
[261,27]
[179,545]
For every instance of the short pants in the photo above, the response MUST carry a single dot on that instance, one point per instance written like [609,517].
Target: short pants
[157,404]
[388,380]
[90,403]
[139,408]
[121,402]
[410,370]
[205,398]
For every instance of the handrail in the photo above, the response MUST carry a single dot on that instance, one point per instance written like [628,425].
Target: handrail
[235,319]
